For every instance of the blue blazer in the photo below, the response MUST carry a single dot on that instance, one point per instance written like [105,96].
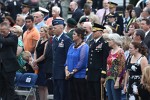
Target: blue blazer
[77,14]
[60,50]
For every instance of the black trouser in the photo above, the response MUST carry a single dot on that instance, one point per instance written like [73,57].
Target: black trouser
[77,89]
[94,90]
[7,84]
[49,83]
[60,89]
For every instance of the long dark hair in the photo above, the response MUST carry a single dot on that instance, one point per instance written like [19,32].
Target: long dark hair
[10,19]
[142,49]
[80,32]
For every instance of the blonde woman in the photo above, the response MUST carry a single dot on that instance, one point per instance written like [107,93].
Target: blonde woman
[17,30]
[39,60]
[144,87]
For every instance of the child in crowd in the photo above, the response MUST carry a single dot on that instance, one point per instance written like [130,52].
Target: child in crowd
[144,87]
[29,68]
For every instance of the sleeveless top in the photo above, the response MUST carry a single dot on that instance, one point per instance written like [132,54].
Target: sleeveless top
[135,69]
[40,50]
[135,74]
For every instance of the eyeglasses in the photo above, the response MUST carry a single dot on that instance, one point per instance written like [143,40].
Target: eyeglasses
[50,28]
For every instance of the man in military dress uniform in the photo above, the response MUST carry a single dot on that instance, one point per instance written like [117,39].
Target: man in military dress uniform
[71,25]
[112,23]
[61,43]
[97,62]
[119,19]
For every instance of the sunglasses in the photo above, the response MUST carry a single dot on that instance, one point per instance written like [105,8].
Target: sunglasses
[50,28]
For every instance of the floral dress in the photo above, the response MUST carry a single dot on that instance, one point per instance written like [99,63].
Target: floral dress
[135,74]
[116,65]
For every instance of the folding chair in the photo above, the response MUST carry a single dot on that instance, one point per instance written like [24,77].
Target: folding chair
[26,85]
[17,77]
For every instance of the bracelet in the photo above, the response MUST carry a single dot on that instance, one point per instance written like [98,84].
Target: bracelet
[66,67]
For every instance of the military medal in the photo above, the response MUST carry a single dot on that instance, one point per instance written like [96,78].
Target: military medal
[61,44]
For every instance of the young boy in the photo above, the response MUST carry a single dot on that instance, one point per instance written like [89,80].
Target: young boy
[29,68]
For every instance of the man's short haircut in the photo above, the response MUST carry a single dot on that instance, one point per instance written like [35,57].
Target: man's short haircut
[147,21]
[147,10]
[30,17]
[21,16]
[141,33]
[4,24]
[74,2]
[87,6]
[88,23]
[39,12]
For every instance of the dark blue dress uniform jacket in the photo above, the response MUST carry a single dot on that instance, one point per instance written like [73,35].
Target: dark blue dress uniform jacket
[60,48]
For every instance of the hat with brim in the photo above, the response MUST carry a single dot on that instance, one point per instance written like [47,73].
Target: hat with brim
[26,5]
[43,10]
[111,15]
[112,4]
[58,22]
[97,27]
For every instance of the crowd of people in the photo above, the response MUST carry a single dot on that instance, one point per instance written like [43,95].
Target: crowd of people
[94,55]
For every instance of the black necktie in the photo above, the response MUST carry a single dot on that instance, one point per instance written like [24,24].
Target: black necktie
[0,45]
[103,17]
[126,21]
